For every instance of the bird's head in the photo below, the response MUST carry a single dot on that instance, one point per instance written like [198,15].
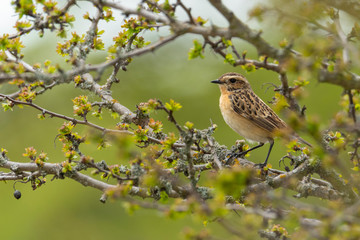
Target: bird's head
[232,82]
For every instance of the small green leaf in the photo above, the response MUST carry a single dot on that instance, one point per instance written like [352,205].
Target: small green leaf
[155,125]
[170,141]
[115,115]
[257,13]
[301,82]
[164,197]
[189,125]
[283,43]
[227,42]
[280,102]
[249,67]
[229,59]
[141,134]
[97,114]
[357,106]
[356,169]
[196,50]
[81,106]
[173,106]
[7,106]
[199,20]
[331,67]
[41,116]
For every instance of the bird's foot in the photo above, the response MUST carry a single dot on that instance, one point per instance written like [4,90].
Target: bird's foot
[260,165]
[233,156]
[230,158]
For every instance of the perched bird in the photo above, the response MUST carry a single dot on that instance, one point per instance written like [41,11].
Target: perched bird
[248,115]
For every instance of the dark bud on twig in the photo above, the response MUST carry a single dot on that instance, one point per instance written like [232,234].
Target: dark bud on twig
[17,194]
[265,60]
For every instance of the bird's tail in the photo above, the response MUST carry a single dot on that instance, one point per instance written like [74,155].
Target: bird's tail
[290,134]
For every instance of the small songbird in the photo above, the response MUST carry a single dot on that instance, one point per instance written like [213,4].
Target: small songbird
[248,115]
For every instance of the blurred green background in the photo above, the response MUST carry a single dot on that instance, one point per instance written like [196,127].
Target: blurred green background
[65,209]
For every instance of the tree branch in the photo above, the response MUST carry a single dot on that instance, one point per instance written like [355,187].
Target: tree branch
[352,7]
[238,29]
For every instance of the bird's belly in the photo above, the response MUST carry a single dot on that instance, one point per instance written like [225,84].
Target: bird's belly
[245,127]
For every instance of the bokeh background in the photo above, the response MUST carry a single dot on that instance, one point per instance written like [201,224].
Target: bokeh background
[65,209]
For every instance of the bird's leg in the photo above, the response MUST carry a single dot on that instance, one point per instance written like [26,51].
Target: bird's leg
[262,165]
[235,155]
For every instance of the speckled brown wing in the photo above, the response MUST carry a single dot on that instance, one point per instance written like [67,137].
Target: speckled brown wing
[250,106]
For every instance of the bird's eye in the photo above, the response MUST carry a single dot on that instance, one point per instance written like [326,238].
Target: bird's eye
[232,80]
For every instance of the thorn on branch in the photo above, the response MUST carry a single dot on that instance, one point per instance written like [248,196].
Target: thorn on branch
[303,109]
[286,92]
[244,55]
[235,51]
[187,10]
[265,60]
[352,111]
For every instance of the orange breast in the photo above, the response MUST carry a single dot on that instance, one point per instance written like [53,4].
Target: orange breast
[243,126]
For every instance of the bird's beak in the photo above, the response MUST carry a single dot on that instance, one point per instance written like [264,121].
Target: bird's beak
[217,81]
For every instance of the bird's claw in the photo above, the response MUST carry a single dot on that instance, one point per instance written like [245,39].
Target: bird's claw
[260,165]
[233,156]
[230,158]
